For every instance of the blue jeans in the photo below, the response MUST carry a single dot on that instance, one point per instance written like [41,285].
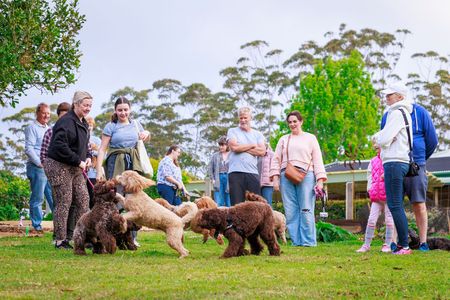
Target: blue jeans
[168,193]
[299,201]
[39,187]
[394,174]
[222,197]
[267,192]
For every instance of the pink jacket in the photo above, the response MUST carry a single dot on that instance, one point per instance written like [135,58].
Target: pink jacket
[303,150]
[375,180]
[265,168]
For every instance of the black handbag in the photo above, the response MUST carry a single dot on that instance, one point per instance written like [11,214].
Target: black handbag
[414,168]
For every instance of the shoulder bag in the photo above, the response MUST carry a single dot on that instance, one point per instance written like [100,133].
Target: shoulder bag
[414,168]
[292,173]
[147,168]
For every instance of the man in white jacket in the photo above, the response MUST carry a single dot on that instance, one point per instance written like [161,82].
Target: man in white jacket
[393,140]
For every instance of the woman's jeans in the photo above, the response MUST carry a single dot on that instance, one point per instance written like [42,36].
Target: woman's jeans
[39,187]
[222,197]
[299,202]
[168,193]
[267,193]
[394,173]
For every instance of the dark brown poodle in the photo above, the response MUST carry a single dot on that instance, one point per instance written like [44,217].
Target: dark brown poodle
[99,225]
[248,220]
[124,241]
[433,243]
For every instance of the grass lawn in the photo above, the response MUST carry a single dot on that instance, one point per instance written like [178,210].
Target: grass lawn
[33,268]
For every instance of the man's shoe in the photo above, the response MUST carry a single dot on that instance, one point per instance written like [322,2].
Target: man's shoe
[393,246]
[424,247]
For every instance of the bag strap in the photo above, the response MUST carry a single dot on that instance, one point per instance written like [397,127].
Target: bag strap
[287,153]
[407,132]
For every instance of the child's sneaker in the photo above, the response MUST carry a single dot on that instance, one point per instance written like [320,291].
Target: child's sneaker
[364,248]
[424,247]
[385,248]
[401,251]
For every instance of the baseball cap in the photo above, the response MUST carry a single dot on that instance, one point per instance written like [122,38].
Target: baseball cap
[396,88]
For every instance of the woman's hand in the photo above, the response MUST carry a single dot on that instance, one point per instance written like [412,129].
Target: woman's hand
[318,188]
[88,163]
[276,183]
[82,165]
[100,175]
[144,135]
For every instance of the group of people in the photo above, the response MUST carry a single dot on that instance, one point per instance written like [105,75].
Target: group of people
[407,135]
[245,162]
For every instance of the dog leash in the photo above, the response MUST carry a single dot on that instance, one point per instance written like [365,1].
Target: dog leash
[88,180]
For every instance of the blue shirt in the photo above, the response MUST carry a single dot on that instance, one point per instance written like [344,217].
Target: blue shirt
[424,134]
[244,162]
[92,172]
[34,133]
[166,168]
[122,135]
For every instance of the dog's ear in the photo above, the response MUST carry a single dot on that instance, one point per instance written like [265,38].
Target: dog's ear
[133,182]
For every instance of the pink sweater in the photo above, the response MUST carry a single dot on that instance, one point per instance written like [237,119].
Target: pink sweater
[302,148]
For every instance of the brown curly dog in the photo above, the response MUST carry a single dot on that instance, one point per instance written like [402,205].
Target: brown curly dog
[248,220]
[206,202]
[144,211]
[99,225]
[124,241]
[279,219]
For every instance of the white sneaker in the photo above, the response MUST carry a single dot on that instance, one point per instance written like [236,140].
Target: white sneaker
[364,248]
[136,243]
[385,248]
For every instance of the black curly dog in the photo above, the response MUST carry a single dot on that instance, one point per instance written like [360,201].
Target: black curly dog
[433,243]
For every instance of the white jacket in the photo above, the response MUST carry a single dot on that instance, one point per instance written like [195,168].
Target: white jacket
[393,139]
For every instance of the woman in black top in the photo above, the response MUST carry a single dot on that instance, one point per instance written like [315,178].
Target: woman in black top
[68,158]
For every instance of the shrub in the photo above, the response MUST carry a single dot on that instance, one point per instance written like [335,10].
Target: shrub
[327,233]
[9,212]
[14,190]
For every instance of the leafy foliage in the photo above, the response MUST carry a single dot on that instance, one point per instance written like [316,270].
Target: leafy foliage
[339,106]
[14,191]
[327,233]
[39,46]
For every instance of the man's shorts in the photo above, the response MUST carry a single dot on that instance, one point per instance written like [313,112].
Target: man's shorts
[416,187]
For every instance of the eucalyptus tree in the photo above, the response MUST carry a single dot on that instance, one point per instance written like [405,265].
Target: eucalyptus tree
[39,46]
[431,89]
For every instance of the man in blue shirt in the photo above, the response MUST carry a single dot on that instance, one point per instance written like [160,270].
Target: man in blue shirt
[34,134]
[424,143]
[246,144]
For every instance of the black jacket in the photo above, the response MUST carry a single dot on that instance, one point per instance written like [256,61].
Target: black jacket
[70,139]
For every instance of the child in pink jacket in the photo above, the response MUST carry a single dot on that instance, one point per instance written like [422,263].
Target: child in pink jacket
[377,194]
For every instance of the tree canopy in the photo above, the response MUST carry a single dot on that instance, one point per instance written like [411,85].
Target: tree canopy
[38,46]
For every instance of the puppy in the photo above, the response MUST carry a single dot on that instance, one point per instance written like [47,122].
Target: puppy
[202,203]
[205,202]
[433,243]
[99,225]
[124,241]
[279,218]
[244,221]
[144,211]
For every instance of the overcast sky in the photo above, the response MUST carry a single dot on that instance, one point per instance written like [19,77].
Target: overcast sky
[133,43]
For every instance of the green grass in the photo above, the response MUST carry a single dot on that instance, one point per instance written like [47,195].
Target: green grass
[31,268]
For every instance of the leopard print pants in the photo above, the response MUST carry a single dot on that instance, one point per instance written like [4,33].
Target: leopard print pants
[69,188]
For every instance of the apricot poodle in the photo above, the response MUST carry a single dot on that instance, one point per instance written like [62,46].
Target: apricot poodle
[248,220]
[144,211]
[279,218]
[186,210]
[99,225]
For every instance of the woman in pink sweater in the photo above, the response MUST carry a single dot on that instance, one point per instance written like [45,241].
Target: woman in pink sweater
[299,199]
[377,194]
